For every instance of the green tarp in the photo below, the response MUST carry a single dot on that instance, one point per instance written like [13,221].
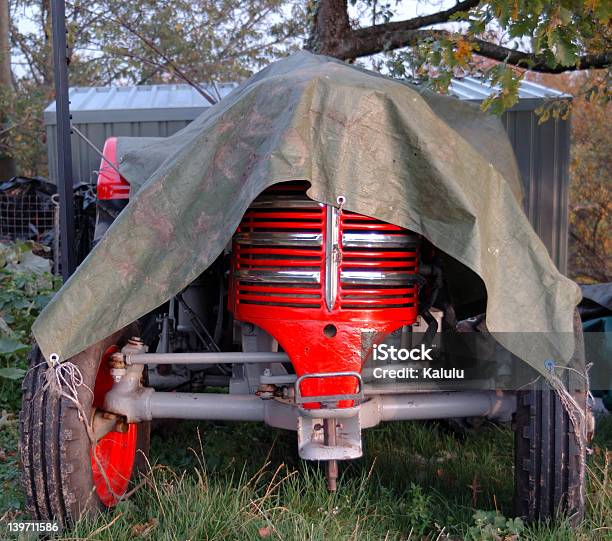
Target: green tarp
[427,163]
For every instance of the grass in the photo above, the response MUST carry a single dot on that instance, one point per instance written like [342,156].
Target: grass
[11,497]
[218,481]
[215,481]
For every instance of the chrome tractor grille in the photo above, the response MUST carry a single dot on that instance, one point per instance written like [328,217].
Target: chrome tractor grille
[290,251]
[379,264]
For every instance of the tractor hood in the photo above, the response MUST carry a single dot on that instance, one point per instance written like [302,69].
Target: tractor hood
[428,163]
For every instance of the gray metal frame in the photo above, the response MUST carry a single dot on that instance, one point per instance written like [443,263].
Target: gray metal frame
[63,152]
[324,433]
[129,401]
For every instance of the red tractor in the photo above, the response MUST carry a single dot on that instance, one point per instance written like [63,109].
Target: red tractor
[288,319]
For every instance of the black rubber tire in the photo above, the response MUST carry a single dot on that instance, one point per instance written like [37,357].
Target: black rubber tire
[54,445]
[548,467]
[547,458]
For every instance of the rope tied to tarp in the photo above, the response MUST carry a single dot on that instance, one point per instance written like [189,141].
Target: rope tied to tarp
[577,414]
[63,379]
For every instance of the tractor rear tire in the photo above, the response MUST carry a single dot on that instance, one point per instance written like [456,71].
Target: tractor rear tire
[61,480]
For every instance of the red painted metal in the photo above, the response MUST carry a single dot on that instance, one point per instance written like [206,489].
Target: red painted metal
[296,313]
[111,185]
[116,451]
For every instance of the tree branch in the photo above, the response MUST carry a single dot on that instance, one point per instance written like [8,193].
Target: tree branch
[420,22]
[168,61]
[534,63]
[332,35]
[366,44]
[168,64]
[27,52]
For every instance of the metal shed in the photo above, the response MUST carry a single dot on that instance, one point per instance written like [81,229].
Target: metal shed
[543,154]
[132,111]
[542,150]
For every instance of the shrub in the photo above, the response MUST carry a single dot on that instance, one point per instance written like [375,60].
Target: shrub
[26,286]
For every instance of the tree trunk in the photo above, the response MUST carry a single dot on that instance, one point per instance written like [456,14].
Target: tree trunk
[330,27]
[45,16]
[5,47]
[7,163]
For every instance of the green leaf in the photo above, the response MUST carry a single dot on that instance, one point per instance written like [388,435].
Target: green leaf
[4,324]
[516,525]
[565,51]
[40,301]
[12,373]
[8,345]
[565,15]
[34,263]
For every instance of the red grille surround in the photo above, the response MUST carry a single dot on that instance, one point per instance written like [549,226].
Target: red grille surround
[316,278]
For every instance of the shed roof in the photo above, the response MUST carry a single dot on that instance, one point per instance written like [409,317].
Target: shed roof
[184,102]
[137,103]
[475,89]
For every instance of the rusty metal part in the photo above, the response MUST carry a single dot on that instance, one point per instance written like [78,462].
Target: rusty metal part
[103,422]
[117,360]
[117,366]
[120,360]
[122,425]
[266,391]
[135,341]
[329,439]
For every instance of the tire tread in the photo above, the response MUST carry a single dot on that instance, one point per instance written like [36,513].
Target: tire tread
[54,445]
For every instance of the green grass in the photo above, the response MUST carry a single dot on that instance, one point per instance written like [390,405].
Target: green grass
[11,497]
[219,481]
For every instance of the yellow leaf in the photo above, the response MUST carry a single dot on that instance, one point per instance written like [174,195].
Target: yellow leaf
[591,5]
[463,52]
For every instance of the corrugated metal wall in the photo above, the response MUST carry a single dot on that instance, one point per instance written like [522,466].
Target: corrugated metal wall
[85,161]
[542,152]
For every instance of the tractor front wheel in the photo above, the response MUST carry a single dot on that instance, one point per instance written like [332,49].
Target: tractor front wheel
[64,474]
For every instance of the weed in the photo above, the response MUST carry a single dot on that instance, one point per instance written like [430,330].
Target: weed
[492,526]
[26,286]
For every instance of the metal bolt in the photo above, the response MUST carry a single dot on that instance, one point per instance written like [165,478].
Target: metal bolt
[117,374]
[117,366]
[117,360]
[121,426]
